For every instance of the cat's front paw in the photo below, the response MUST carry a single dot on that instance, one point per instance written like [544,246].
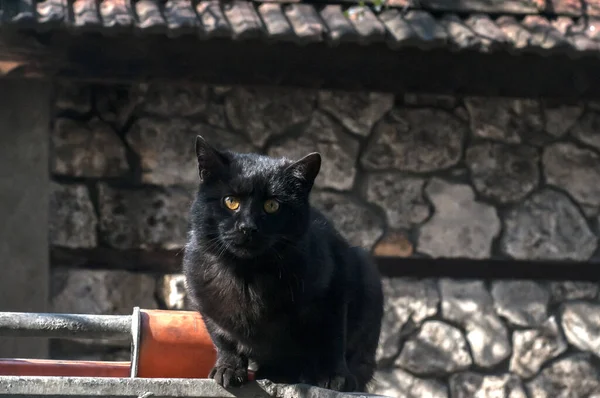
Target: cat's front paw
[342,381]
[229,376]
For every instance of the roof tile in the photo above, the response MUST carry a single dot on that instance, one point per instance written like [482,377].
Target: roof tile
[518,36]
[591,28]
[544,37]
[116,15]
[243,19]
[571,7]
[367,25]
[487,6]
[180,17]
[339,28]
[431,33]
[21,13]
[491,36]
[86,16]
[214,23]
[276,24]
[400,32]
[51,13]
[461,37]
[150,19]
[306,22]
[294,21]
[575,35]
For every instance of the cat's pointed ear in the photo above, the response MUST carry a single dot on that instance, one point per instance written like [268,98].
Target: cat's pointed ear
[307,168]
[210,161]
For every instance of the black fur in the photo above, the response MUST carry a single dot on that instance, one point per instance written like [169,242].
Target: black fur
[291,294]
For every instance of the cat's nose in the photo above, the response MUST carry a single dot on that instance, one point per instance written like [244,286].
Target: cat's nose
[247,227]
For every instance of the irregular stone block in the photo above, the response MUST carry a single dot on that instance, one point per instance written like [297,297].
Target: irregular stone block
[338,150]
[400,196]
[561,117]
[144,218]
[508,120]
[394,244]
[581,324]
[547,226]
[533,348]
[460,226]
[113,104]
[221,91]
[86,149]
[438,349]
[71,96]
[172,293]
[576,170]
[488,339]
[73,220]
[398,383]
[267,113]
[447,102]
[100,292]
[573,376]
[356,223]
[463,298]
[215,116]
[522,303]
[470,384]
[418,140]
[502,172]
[358,112]
[167,148]
[171,99]
[469,304]
[587,129]
[561,291]
[408,302]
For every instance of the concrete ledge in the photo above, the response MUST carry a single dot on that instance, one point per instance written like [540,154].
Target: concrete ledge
[34,386]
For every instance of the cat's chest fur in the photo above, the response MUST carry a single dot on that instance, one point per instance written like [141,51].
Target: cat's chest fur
[246,306]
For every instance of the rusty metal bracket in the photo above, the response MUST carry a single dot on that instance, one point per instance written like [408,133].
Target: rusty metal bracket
[136,333]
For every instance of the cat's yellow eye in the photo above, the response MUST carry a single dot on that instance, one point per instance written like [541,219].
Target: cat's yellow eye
[271,206]
[231,202]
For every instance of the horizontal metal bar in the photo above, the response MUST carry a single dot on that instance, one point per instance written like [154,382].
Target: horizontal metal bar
[58,368]
[46,387]
[24,324]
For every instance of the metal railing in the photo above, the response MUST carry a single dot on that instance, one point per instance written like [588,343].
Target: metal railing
[81,326]
[23,324]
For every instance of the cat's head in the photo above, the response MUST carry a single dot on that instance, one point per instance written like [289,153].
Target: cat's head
[247,204]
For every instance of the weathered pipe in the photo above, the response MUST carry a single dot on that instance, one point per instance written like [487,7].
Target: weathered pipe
[22,324]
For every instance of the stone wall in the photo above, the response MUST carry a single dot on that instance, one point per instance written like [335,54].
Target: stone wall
[406,176]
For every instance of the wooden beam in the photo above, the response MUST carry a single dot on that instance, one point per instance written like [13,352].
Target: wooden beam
[159,261]
[169,261]
[348,66]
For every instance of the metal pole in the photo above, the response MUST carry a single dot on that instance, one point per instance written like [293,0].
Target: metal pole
[23,324]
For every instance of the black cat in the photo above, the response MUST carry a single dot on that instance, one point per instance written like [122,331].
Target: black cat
[272,278]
